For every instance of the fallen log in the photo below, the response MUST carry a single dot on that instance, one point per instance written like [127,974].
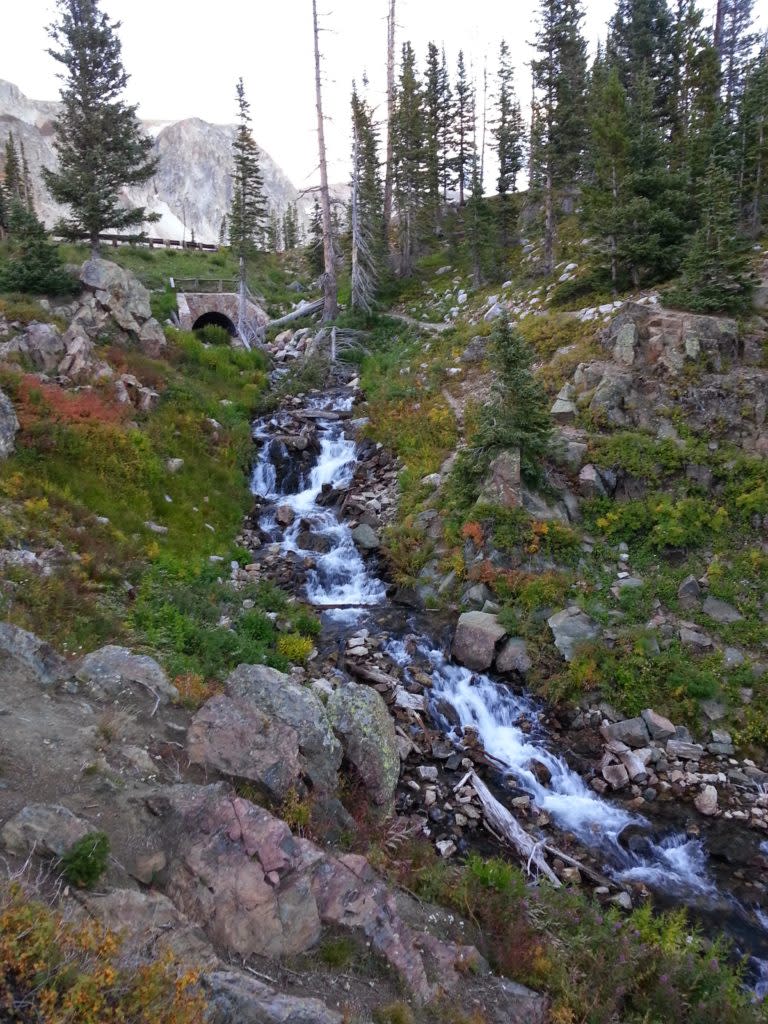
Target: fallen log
[306,309]
[410,701]
[504,824]
[374,675]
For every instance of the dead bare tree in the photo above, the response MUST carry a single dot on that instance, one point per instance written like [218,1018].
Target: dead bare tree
[389,169]
[330,287]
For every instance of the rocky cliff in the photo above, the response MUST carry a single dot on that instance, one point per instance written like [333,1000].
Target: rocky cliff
[191,189]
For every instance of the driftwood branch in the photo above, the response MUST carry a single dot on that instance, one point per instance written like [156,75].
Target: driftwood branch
[502,822]
[305,309]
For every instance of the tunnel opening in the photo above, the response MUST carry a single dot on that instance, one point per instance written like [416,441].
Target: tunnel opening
[216,320]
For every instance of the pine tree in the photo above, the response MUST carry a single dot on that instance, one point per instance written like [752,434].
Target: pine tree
[559,130]
[248,209]
[715,272]
[445,130]
[274,231]
[695,114]
[433,110]
[315,256]
[290,227]
[737,44]
[640,43]
[753,132]
[508,136]
[33,264]
[367,205]
[99,142]
[14,185]
[463,129]
[409,168]
[28,196]
[479,228]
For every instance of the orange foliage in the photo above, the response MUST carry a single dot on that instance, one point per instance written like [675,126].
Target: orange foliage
[38,402]
[473,531]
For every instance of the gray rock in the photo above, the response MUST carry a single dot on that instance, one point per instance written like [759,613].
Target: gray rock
[513,657]
[33,653]
[626,343]
[475,640]
[234,998]
[706,801]
[632,731]
[365,537]
[502,484]
[112,670]
[659,727]
[570,628]
[362,723]
[732,657]
[563,411]
[685,751]
[117,290]
[279,697]
[721,611]
[47,829]
[713,710]
[691,636]
[9,426]
[616,775]
[590,482]
[477,595]
[689,591]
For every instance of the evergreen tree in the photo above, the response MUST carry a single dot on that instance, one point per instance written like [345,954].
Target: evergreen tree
[640,43]
[737,43]
[367,206]
[559,131]
[4,210]
[433,111]
[517,415]
[14,185]
[99,141]
[479,228]
[33,263]
[508,135]
[445,129]
[715,272]
[315,254]
[274,231]
[223,228]
[695,111]
[28,197]
[463,129]
[753,132]
[290,227]
[409,167]
[248,210]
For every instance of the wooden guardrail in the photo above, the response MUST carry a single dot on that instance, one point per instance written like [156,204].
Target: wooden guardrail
[143,241]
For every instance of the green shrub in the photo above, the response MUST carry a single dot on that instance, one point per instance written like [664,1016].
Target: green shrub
[86,860]
[213,334]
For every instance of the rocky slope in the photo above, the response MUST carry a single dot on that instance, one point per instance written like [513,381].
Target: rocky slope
[191,189]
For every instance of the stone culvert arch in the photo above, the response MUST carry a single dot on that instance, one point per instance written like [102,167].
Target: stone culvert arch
[196,309]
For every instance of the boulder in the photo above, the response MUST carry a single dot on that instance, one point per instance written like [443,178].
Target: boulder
[659,728]
[616,776]
[285,515]
[502,484]
[9,426]
[235,998]
[33,653]
[474,644]
[513,657]
[706,801]
[689,592]
[365,728]
[564,409]
[152,339]
[118,291]
[234,737]
[40,345]
[627,338]
[45,829]
[590,482]
[570,628]
[691,636]
[288,703]
[721,611]
[632,732]
[366,538]
[112,671]
[684,751]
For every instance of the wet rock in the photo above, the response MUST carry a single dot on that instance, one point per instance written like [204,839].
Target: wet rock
[45,829]
[706,801]
[659,727]
[616,776]
[570,628]
[112,671]
[721,611]
[361,721]
[281,699]
[540,771]
[366,538]
[513,657]
[285,515]
[632,731]
[475,640]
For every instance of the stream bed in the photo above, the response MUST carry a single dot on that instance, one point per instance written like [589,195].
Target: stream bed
[674,865]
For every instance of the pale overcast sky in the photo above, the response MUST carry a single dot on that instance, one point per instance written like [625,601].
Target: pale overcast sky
[184,57]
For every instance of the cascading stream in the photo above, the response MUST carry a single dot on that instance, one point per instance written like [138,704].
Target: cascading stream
[675,865]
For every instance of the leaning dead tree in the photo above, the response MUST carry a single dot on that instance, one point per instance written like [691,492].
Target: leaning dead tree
[391,95]
[330,288]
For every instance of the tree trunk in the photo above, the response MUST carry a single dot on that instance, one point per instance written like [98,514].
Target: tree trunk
[757,191]
[95,245]
[330,291]
[719,27]
[549,222]
[389,170]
